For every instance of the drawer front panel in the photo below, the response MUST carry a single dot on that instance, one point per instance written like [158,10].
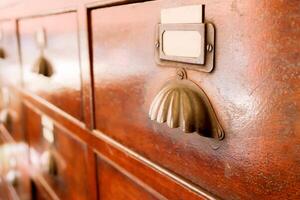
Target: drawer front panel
[60,48]
[252,113]
[70,176]
[114,185]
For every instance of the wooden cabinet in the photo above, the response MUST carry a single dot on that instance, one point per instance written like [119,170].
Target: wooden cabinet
[93,69]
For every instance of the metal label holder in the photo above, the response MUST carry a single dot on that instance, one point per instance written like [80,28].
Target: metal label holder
[205,61]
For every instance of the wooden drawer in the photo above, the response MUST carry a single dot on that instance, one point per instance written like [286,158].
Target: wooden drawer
[70,176]
[10,72]
[246,90]
[114,184]
[60,49]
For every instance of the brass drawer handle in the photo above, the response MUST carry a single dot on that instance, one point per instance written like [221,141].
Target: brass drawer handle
[48,163]
[42,65]
[6,118]
[185,44]
[12,177]
[2,51]
[182,103]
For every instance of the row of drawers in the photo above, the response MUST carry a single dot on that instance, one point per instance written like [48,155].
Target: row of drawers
[69,156]
[124,78]
[70,179]
[118,86]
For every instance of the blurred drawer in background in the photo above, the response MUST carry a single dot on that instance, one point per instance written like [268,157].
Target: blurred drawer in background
[56,157]
[114,184]
[50,60]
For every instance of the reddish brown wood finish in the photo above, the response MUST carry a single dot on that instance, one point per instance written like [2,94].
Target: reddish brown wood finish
[91,174]
[254,90]
[86,74]
[159,179]
[113,184]
[63,88]
[6,192]
[70,182]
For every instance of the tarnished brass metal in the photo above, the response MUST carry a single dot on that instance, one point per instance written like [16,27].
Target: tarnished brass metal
[182,103]
[2,53]
[13,177]
[6,118]
[205,61]
[40,38]
[184,39]
[48,158]
[183,28]
[43,66]
[48,163]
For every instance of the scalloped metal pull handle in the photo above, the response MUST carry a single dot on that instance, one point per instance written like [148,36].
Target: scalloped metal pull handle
[43,67]
[2,53]
[6,118]
[48,163]
[182,103]
[13,177]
